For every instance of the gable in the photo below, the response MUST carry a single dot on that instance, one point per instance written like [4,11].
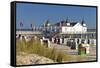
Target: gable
[77,25]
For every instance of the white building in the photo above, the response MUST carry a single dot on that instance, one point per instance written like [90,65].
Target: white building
[74,28]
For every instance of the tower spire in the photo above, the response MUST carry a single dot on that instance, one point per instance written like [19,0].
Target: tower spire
[82,21]
[66,21]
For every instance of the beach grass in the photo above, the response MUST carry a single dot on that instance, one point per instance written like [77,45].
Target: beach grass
[34,47]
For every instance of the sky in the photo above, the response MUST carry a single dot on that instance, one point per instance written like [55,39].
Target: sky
[37,14]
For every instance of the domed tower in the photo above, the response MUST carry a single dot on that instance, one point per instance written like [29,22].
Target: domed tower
[83,23]
[46,23]
[84,30]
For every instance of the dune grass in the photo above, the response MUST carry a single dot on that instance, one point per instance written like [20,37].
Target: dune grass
[34,47]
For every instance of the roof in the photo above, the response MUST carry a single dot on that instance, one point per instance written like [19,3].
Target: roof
[73,23]
[64,23]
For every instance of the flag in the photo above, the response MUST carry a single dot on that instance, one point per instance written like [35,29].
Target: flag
[31,25]
[21,24]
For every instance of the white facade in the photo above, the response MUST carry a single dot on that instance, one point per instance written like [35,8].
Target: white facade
[77,28]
